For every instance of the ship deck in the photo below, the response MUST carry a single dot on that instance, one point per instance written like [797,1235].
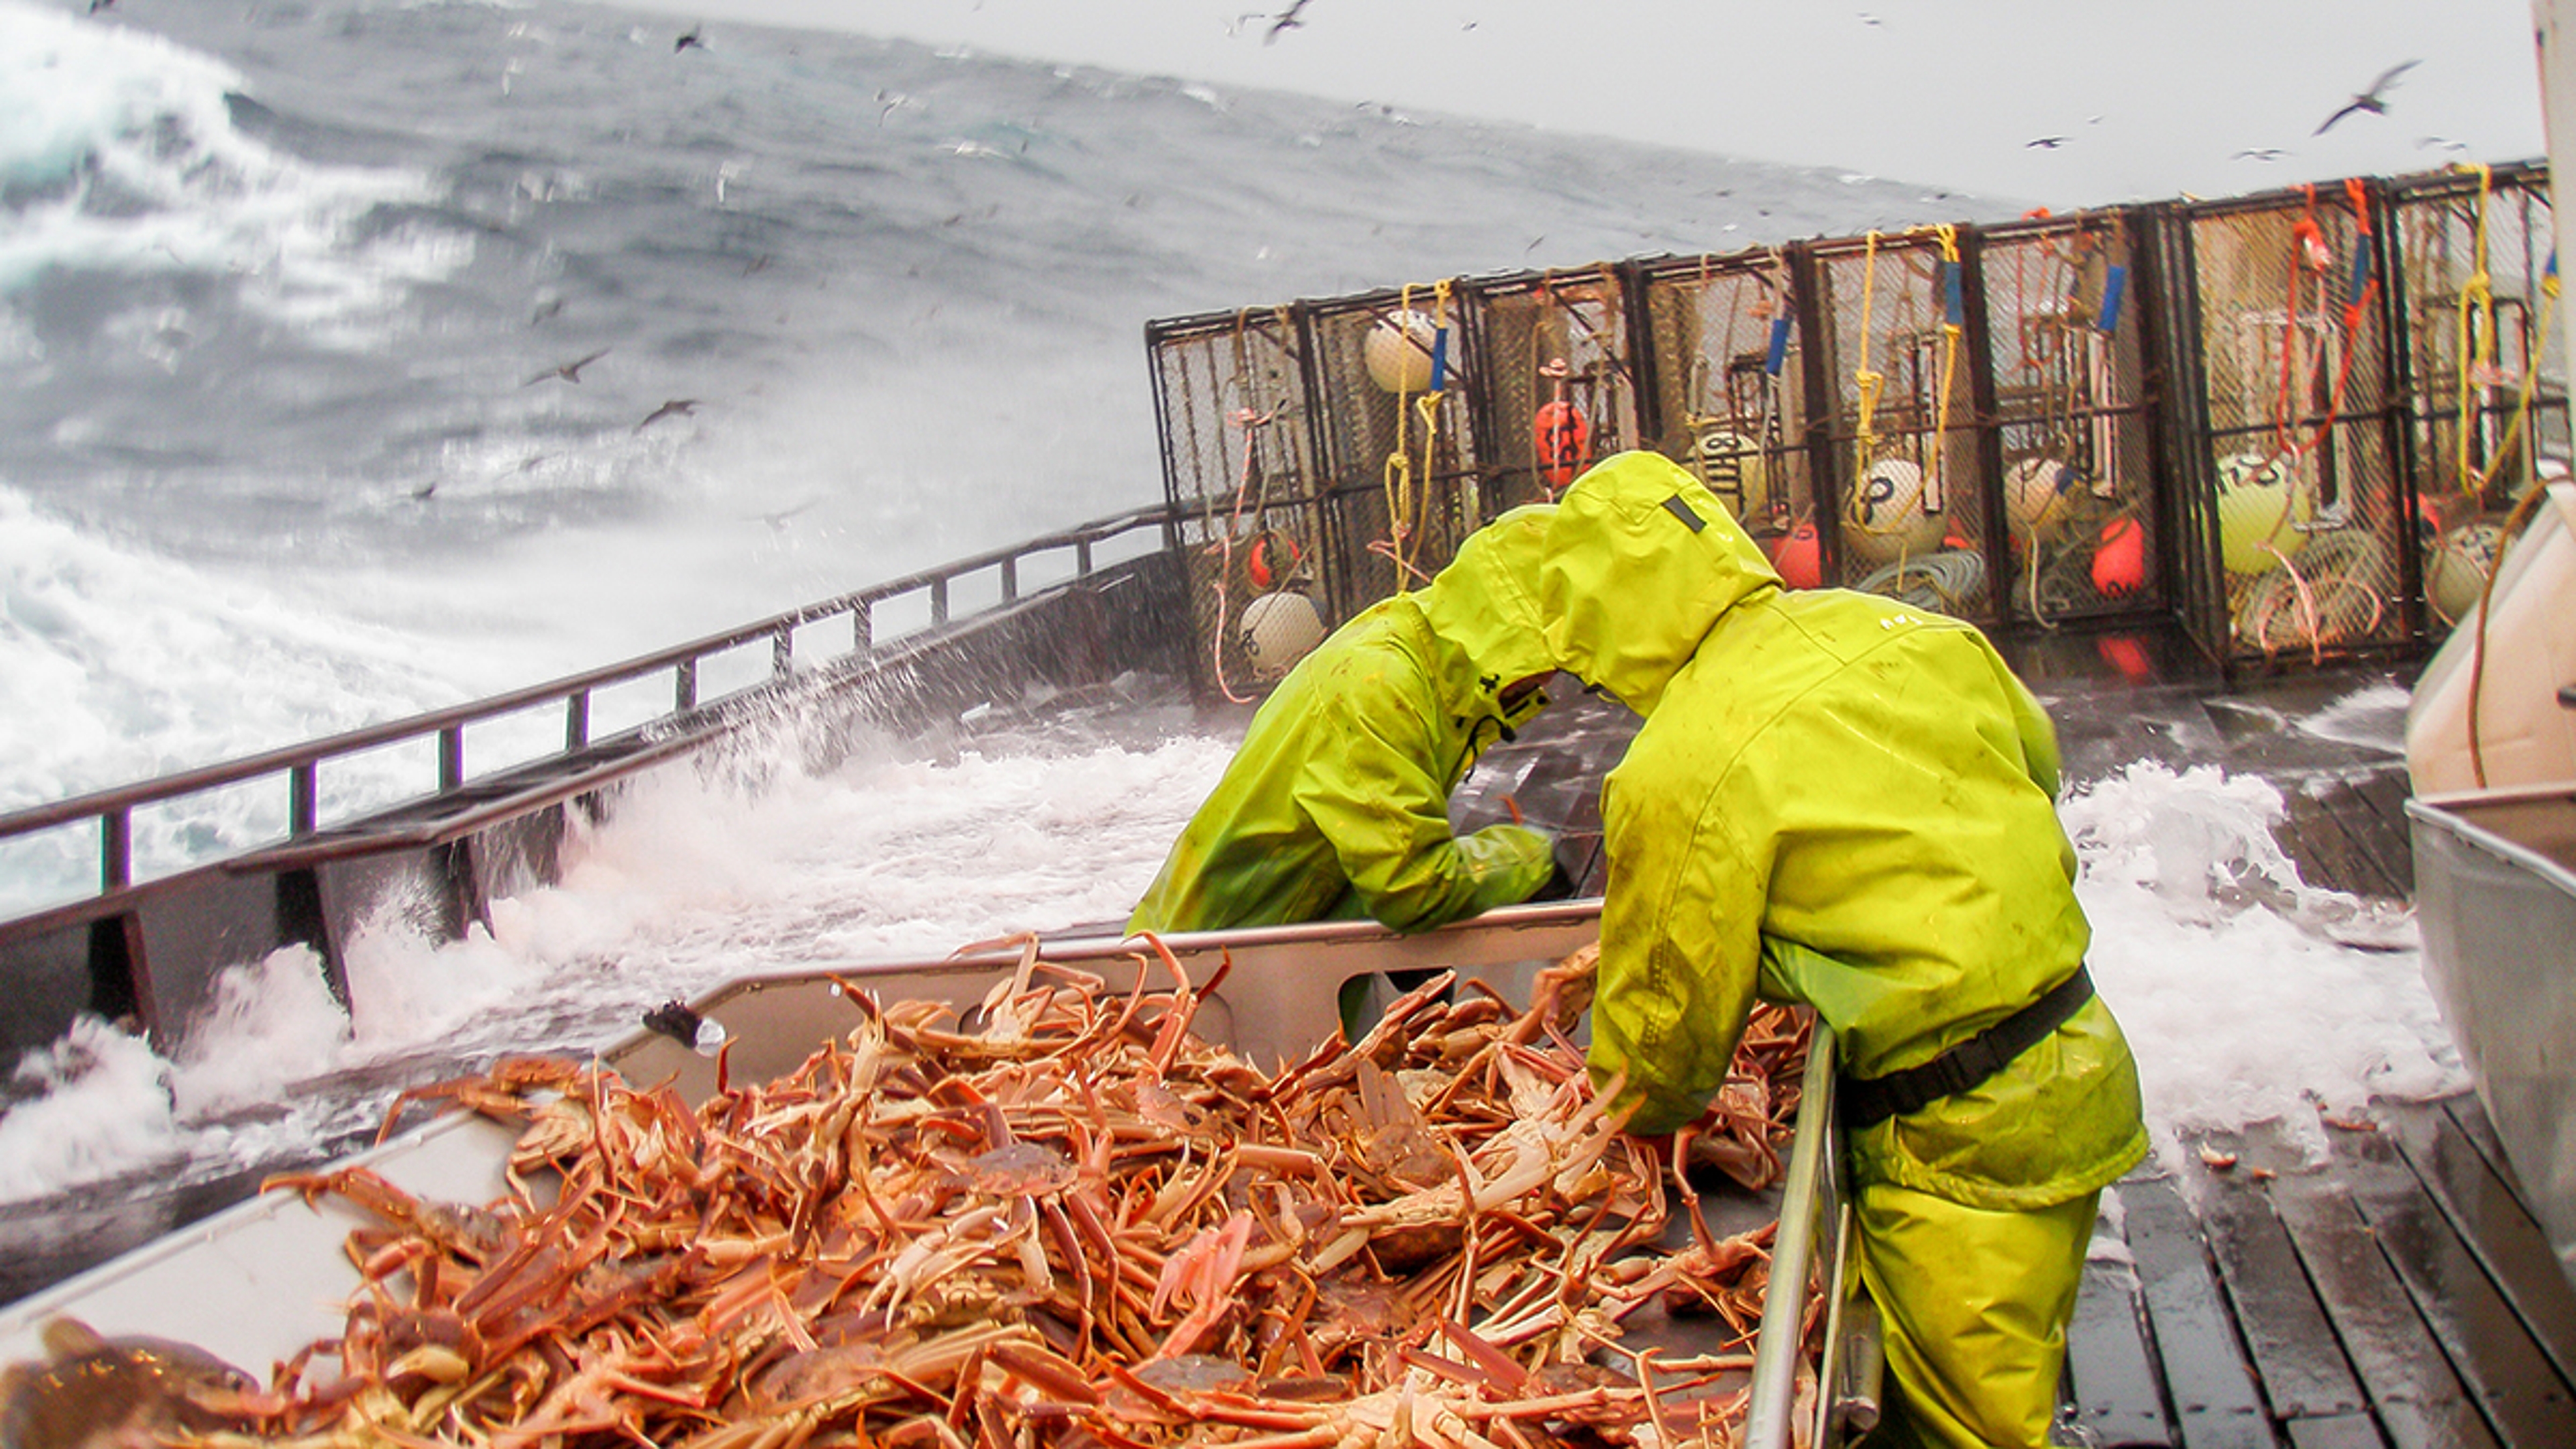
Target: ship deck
[2398,1292]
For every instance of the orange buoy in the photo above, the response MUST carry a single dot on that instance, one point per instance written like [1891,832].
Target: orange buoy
[1796,554]
[2120,560]
[1270,561]
[1563,439]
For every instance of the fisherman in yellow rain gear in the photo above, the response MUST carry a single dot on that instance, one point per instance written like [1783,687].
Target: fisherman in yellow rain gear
[1337,803]
[1848,801]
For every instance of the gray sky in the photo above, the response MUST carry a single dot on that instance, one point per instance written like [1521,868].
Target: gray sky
[2152,97]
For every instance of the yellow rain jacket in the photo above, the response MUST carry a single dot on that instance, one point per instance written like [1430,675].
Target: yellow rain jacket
[1337,803]
[1838,799]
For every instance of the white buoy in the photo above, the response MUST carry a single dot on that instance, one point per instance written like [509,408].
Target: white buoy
[1278,630]
[1398,351]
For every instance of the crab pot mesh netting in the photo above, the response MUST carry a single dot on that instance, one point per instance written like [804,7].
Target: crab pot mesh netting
[1909,520]
[1397,397]
[1561,379]
[1240,473]
[2484,394]
[2303,489]
[1728,364]
[2064,345]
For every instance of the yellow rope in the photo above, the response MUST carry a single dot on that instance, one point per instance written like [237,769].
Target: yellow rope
[1405,503]
[2476,331]
[1933,492]
[1867,382]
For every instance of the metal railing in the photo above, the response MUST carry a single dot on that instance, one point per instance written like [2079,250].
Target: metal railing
[301,764]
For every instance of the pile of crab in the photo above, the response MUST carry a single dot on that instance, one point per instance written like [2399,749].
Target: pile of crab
[1065,1219]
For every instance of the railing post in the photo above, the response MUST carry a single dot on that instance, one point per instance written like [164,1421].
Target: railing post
[684,690]
[782,652]
[451,758]
[116,849]
[577,719]
[1010,579]
[863,629]
[939,602]
[303,803]
[1082,554]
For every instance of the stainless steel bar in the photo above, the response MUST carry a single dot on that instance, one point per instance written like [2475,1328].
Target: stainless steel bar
[1775,1347]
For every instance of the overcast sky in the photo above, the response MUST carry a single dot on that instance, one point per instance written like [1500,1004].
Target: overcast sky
[2150,97]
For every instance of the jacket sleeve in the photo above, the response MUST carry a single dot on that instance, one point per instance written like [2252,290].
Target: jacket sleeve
[1376,791]
[1681,945]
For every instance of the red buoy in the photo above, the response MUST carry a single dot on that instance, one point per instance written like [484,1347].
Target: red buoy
[1563,438]
[2120,560]
[1798,557]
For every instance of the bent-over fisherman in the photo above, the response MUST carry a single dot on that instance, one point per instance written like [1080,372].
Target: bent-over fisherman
[1337,802]
[1848,801]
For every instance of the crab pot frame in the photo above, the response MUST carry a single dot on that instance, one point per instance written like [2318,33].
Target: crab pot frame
[1240,470]
[2476,357]
[1898,468]
[2262,401]
[2073,450]
[1403,461]
[1725,372]
[1560,378]
[2292,491]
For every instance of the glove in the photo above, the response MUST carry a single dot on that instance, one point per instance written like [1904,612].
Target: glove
[1571,861]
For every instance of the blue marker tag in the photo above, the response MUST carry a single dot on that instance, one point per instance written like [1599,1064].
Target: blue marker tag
[1440,360]
[2115,284]
[1951,301]
[2360,276]
[1779,353]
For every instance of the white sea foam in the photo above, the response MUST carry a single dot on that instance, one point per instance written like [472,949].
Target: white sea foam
[2233,980]
[124,152]
[118,665]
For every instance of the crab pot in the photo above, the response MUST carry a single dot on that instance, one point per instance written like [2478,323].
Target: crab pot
[1397,393]
[2073,453]
[2294,494]
[1561,378]
[1726,368]
[1239,468]
[1895,360]
[2482,389]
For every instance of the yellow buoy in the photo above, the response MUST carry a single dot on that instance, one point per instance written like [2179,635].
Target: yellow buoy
[2262,512]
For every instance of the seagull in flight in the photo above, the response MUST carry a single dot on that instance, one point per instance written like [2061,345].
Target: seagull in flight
[569,372]
[2044,143]
[676,407]
[689,39]
[2375,99]
[2259,153]
[1287,21]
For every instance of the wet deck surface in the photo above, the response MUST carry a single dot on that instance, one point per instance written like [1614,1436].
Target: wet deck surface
[2396,1293]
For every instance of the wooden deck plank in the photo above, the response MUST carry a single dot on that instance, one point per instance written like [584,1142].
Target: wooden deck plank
[2302,1365]
[2212,1387]
[2322,846]
[2343,1431]
[2419,1398]
[2486,1210]
[2385,793]
[2509,1379]
[2109,1368]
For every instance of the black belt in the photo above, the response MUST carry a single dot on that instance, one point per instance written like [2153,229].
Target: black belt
[1868,1101]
